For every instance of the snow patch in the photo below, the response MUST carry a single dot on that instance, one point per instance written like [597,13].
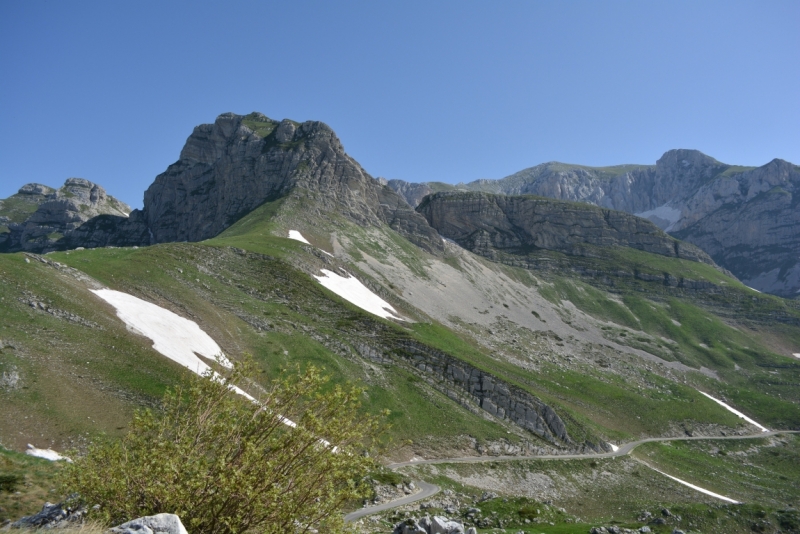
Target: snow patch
[353,291]
[614,447]
[796,354]
[297,236]
[697,488]
[664,216]
[735,412]
[47,454]
[179,339]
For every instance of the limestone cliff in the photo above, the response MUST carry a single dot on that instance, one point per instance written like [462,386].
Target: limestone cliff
[744,217]
[225,170]
[229,168]
[751,224]
[481,222]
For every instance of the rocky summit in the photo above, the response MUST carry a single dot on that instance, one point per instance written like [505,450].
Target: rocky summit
[227,169]
[551,364]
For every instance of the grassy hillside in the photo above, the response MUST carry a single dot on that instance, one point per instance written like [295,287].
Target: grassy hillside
[615,361]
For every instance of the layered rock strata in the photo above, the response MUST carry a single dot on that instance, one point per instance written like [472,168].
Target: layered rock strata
[745,218]
[226,169]
[483,222]
[229,168]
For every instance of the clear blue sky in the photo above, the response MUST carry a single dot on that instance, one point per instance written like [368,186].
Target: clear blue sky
[449,91]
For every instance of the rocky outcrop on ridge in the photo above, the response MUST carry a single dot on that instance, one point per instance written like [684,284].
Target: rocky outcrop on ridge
[229,168]
[484,222]
[39,218]
[226,169]
[744,218]
[411,192]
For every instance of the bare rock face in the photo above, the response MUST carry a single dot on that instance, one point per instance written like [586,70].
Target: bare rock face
[746,219]
[56,215]
[751,224]
[481,222]
[225,170]
[229,168]
[411,192]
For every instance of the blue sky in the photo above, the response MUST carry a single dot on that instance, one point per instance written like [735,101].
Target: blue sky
[449,91]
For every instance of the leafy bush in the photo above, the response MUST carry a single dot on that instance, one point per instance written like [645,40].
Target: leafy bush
[9,483]
[227,465]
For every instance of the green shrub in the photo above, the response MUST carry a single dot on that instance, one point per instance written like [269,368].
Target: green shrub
[9,483]
[227,465]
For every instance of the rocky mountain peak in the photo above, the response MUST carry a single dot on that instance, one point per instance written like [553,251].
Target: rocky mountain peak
[232,166]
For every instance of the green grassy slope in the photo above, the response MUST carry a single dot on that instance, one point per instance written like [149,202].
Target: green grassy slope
[82,372]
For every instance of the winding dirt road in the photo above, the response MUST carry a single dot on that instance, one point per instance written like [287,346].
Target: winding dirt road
[622,450]
[427,491]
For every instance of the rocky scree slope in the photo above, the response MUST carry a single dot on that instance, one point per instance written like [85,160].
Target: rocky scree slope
[687,193]
[230,167]
[40,218]
[483,223]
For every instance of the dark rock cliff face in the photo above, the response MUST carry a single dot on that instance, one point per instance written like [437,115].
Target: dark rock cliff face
[481,222]
[229,168]
[225,170]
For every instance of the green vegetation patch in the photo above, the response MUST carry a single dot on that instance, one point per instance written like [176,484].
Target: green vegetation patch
[766,471]
[19,207]
[261,125]
[25,483]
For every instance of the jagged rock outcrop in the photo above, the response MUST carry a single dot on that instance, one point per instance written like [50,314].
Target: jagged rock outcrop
[225,170]
[229,168]
[493,395]
[481,222]
[744,218]
[39,218]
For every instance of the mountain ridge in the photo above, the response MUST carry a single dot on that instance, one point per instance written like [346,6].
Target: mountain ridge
[571,329]
[686,193]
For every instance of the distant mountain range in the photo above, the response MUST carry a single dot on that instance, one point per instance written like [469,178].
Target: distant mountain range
[519,324]
[745,218]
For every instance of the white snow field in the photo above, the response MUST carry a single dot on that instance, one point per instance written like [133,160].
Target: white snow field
[796,354]
[614,447]
[297,236]
[177,338]
[173,336]
[736,412]
[696,488]
[47,454]
[353,291]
